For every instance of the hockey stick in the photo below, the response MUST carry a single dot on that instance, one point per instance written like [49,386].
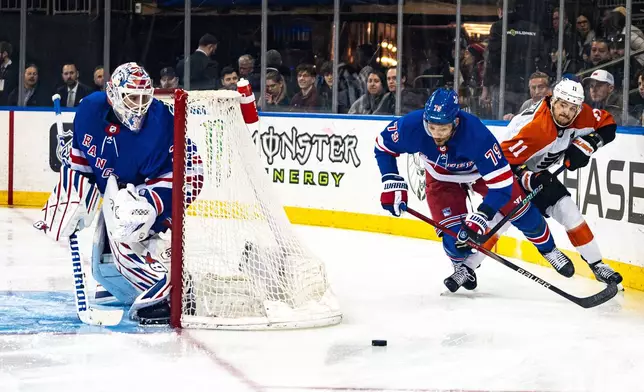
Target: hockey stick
[508,216]
[86,314]
[586,302]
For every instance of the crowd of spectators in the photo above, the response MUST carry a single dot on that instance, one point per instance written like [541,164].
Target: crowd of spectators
[592,53]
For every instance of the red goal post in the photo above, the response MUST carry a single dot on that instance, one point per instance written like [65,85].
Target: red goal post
[236,262]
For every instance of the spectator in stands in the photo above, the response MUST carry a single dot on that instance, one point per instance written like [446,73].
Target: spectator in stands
[307,98]
[409,100]
[473,65]
[348,87]
[99,82]
[168,78]
[638,109]
[438,73]
[600,54]
[539,85]
[246,65]
[348,91]
[525,51]
[616,44]
[204,71]
[8,73]
[246,69]
[276,91]
[568,38]
[568,64]
[229,79]
[325,88]
[274,60]
[374,102]
[34,94]
[616,24]
[73,91]
[600,93]
[365,54]
[585,34]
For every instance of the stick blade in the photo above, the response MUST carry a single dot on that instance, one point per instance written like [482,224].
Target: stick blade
[101,317]
[602,297]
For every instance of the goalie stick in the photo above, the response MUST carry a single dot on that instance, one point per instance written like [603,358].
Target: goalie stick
[585,302]
[86,314]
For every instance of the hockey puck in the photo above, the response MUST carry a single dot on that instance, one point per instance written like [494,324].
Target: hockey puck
[379,343]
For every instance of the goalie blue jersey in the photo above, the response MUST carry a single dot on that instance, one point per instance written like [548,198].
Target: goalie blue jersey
[471,153]
[103,146]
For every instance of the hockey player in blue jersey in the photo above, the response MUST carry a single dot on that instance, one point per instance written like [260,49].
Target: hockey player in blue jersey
[124,137]
[459,154]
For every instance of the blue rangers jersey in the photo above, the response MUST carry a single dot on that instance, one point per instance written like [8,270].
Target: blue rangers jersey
[471,153]
[103,146]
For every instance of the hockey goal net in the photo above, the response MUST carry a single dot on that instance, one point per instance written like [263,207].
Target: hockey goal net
[236,262]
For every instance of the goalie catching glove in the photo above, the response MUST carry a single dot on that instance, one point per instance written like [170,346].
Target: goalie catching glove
[394,195]
[132,216]
[71,206]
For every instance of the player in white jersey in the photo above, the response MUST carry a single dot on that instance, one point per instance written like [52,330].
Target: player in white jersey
[561,126]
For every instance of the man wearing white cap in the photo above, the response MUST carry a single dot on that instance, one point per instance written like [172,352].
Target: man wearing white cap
[600,88]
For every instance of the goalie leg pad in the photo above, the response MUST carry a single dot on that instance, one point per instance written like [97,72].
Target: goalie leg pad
[104,269]
[71,206]
[145,265]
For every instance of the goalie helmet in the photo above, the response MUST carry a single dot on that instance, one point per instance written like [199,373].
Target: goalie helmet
[571,92]
[130,93]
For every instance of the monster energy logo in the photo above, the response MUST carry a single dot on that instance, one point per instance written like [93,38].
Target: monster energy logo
[300,147]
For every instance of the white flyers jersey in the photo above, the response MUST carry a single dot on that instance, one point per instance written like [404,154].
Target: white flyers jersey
[532,138]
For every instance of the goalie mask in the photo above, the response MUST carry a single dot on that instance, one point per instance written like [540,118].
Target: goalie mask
[566,102]
[130,93]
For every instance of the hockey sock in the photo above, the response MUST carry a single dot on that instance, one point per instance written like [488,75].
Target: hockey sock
[565,212]
[534,227]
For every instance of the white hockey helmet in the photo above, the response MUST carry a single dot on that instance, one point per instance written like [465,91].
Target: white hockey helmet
[130,93]
[569,91]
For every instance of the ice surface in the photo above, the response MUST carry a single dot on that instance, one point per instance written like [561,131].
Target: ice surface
[509,334]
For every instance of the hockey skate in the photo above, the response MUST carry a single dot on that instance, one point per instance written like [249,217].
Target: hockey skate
[462,276]
[605,273]
[157,314]
[560,262]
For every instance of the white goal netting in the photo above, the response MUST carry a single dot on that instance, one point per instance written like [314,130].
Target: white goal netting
[242,265]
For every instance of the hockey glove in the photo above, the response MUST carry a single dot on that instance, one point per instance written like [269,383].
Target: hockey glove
[530,180]
[133,216]
[474,226]
[579,152]
[394,195]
